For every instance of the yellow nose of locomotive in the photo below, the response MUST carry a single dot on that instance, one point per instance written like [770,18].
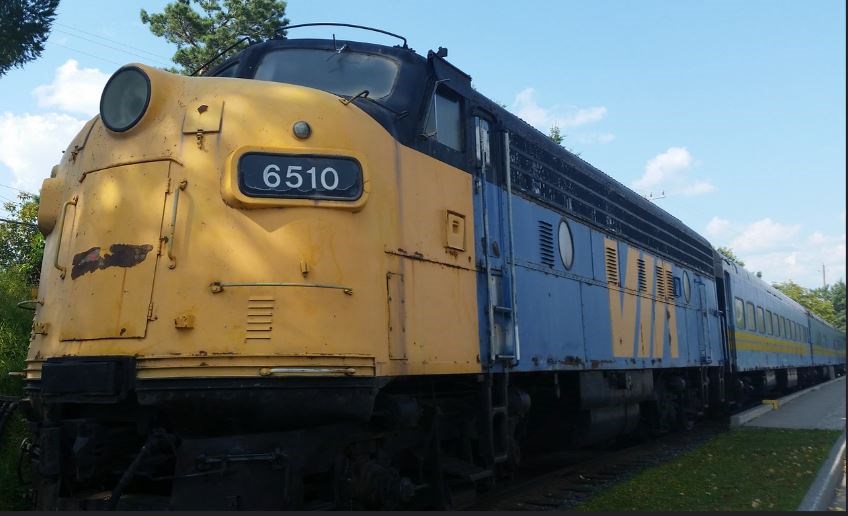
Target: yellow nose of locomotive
[176,235]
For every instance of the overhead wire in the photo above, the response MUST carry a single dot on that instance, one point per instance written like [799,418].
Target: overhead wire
[109,46]
[13,188]
[87,53]
[112,41]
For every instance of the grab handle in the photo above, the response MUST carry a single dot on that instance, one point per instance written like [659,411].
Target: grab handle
[173,260]
[62,269]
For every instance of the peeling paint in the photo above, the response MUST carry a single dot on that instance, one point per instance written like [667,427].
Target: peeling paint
[598,363]
[572,361]
[119,255]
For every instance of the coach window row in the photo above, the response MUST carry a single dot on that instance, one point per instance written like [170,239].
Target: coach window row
[756,319]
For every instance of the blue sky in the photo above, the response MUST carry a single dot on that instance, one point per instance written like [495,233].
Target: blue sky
[734,109]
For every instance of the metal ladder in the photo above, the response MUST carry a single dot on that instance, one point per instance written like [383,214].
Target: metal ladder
[703,341]
[506,310]
[503,353]
[497,402]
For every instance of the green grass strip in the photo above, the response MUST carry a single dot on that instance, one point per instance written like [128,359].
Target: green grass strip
[746,469]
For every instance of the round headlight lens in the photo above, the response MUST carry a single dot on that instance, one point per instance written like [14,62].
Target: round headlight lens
[125,99]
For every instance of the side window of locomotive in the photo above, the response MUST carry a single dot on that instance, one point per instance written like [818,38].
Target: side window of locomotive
[749,316]
[739,308]
[483,142]
[775,322]
[761,323]
[782,326]
[443,120]
[768,322]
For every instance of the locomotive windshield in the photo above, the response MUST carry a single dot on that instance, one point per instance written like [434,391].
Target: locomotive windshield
[341,72]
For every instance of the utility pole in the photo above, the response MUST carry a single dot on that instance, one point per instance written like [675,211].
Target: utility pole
[824,278]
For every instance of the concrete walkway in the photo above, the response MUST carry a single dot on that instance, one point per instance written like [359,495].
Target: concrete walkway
[819,408]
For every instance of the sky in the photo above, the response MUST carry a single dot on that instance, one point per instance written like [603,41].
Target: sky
[730,115]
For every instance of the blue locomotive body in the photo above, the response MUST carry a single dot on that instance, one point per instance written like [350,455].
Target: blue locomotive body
[611,306]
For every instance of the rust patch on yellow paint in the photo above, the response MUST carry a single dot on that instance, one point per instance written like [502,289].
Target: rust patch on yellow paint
[119,255]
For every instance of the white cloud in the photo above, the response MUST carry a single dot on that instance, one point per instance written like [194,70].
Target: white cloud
[717,226]
[669,172]
[782,251]
[591,138]
[664,167]
[527,107]
[698,188]
[764,235]
[73,90]
[32,144]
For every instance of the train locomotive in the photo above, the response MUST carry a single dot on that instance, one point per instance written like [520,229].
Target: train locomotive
[331,274]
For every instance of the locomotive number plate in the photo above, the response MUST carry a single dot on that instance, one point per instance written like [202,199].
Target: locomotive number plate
[299,177]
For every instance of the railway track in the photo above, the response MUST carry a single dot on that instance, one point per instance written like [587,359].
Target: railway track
[562,481]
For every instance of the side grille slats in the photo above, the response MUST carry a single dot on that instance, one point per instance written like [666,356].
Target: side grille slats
[611,263]
[546,243]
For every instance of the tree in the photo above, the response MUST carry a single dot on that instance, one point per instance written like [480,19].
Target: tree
[200,36]
[24,28]
[556,135]
[836,295]
[812,300]
[23,244]
[728,253]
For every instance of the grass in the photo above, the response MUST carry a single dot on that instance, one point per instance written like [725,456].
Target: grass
[746,469]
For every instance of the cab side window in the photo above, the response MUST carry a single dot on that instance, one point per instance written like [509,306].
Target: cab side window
[444,120]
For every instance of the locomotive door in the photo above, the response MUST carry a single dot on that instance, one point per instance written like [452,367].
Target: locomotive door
[112,252]
[703,325]
[493,182]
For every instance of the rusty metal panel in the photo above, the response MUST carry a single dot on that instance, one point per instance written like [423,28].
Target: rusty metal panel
[397,316]
[114,245]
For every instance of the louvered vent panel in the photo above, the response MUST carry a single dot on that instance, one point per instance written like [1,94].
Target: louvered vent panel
[260,318]
[660,283]
[643,281]
[669,281]
[611,262]
[546,243]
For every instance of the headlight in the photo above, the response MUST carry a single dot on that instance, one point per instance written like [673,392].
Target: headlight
[125,99]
